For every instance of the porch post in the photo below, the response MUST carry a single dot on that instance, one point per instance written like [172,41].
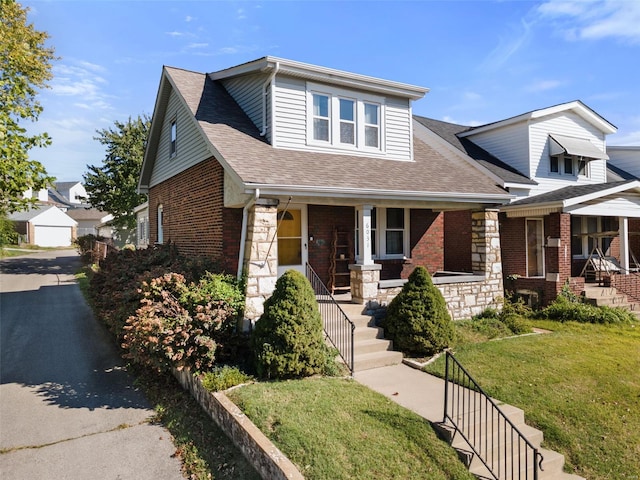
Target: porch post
[623,222]
[365,275]
[365,240]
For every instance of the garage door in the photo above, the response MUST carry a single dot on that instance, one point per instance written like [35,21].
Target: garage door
[52,236]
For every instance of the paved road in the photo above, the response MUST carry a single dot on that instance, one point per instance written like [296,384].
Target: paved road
[68,410]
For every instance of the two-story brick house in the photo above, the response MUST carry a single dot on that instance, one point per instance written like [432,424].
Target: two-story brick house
[564,215]
[275,164]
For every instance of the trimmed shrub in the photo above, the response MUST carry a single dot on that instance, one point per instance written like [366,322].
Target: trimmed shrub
[417,319]
[287,340]
[224,377]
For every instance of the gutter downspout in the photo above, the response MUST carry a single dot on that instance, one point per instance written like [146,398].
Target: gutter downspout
[243,230]
[269,80]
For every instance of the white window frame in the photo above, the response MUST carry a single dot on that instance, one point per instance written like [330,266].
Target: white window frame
[575,166]
[584,229]
[160,223]
[335,95]
[379,235]
[173,138]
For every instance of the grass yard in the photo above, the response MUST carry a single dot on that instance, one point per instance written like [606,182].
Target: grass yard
[580,385]
[338,429]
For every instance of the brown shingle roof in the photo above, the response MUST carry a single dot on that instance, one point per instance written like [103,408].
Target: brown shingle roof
[254,161]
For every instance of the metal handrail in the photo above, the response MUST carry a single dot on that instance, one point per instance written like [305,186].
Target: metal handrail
[494,439]
[337,326]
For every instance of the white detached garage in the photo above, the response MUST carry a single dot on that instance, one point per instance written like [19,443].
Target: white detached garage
[46,226]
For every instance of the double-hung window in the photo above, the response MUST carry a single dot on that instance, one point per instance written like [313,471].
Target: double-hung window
[344,119]
[569,165]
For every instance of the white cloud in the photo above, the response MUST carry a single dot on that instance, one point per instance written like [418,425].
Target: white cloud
[595,19]
[508,45]
[543,85]
[188,18]
[241,14]
[175,34]
[198,45]
[77,78]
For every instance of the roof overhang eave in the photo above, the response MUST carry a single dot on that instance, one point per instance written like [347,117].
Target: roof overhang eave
[355,193]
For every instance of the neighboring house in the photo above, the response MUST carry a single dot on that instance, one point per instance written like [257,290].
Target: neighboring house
[624,163]
[45,226]
[142,222]
[565,214]
[89,220]
[275,164]
[73,193]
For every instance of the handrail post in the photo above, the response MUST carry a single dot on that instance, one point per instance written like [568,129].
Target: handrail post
[446,386]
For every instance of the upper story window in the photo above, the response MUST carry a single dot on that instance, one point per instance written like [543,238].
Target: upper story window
[173,148]
[569,165]
[344,119]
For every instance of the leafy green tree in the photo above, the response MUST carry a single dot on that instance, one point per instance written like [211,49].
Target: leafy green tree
[25,67]
[113,186]
[417,319]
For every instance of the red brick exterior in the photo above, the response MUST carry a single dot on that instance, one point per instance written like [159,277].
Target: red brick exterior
[457,241]
[194,214]
[321,220]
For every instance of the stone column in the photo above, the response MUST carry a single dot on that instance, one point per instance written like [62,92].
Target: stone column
[364,282]
[261,256]
[485,247]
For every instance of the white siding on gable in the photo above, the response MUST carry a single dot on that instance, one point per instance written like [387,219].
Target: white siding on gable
[571,125]
[247,92]
[509,143]
[290,119]
[290,113]
[626,158]
[398,128]
[191,148]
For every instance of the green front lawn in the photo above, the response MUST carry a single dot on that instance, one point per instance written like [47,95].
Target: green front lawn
[338,429]
[579,384]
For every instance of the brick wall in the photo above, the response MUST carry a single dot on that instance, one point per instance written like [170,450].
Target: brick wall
[322,219]
[627,284]
[513,246]
[457,241]
[194,214]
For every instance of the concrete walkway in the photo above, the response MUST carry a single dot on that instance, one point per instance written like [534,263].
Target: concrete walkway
[413,389]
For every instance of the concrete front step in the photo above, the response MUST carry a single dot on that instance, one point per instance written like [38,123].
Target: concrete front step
[367,361]
[552,465]
[370,345]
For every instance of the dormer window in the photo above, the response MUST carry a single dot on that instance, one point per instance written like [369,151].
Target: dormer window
[569,165]
[343,119]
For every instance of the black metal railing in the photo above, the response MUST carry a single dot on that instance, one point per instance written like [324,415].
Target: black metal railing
[494,439]
[337,326]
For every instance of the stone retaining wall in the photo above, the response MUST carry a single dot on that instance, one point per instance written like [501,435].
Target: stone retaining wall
[265,457]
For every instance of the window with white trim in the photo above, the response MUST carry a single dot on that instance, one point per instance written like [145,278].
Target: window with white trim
[343,119]
[160,223]
[569,165]
[535,247]
[389,233]
[173,145]
[588,232]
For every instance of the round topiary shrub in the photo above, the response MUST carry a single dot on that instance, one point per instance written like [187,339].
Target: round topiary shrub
[417,319]
[287,340]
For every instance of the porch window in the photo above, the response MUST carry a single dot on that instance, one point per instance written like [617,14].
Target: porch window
[589,232]
[535,244]
[394,235]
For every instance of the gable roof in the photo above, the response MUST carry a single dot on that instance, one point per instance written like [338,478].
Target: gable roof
[48,213]
[619,173]
[236,143]
[576,106]
[449,132]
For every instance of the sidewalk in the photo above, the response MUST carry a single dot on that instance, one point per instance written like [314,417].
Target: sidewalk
[413,389]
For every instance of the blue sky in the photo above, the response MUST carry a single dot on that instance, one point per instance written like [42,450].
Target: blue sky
[482,60]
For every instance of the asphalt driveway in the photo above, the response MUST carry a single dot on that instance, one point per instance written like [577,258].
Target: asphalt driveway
[68,409]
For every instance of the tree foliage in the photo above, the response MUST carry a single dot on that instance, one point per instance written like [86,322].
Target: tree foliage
[25,67]
[417,319]
[113,186]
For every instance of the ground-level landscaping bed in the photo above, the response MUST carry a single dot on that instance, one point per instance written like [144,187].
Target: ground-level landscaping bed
[579,384]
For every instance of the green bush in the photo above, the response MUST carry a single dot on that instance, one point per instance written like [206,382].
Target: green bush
[564,309]
[8,234]
[417,319]
[176,325]
[224,377]
[287,340]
